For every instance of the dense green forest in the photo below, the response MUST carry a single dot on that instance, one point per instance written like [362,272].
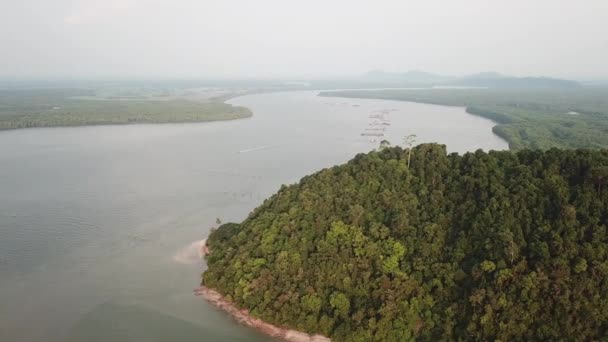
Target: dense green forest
[509,245]
[76,107]
[539,118]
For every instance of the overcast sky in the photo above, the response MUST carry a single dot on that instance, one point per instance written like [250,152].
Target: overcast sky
[276,38]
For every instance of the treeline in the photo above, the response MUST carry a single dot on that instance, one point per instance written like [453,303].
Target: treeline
[537,118]
[62,107]
[483,246]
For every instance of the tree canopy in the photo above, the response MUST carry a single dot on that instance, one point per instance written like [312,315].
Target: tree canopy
[481,246]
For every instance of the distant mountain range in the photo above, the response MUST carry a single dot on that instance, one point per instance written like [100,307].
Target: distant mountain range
[412,76]
[489,79]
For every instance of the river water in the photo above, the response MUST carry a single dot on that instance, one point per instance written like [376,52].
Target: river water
[95,222]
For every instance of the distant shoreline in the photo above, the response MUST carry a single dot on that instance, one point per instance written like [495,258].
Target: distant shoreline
[64,109]
[536,118]
[468,109]
[237,117]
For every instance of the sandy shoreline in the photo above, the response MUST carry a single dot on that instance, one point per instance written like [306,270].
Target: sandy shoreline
[242,315]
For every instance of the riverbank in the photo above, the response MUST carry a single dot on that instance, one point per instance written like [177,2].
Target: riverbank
[499,119]
[536,118]
[243,317]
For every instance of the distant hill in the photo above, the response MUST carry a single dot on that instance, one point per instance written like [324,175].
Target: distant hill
[409,77]
[495,80]
[485,75]
[487,79]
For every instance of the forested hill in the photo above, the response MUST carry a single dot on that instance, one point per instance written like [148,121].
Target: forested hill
[484,246]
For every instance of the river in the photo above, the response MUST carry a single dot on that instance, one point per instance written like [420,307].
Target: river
[95,222]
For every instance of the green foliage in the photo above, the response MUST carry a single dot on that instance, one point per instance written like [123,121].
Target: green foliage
[581,265]
[340,303]
[484,246]
[384,144]
[488,266]
[312,303]
[395,252]
[538,118]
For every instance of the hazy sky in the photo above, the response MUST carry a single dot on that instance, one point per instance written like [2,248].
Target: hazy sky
[270,38]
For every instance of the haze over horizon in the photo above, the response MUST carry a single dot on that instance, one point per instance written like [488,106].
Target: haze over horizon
[231,39]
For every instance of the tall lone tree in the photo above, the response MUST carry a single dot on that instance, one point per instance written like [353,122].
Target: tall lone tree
[409,141]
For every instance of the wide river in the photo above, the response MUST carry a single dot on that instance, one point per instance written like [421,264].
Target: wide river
[95,222]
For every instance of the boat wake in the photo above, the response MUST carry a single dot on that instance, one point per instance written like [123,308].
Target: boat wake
[256,148]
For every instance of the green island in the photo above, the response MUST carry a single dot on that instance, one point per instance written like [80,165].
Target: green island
[25,108]
[508,245]
[538,118]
